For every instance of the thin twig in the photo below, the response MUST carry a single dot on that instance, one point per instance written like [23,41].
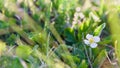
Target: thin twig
[113,63]
[11,48]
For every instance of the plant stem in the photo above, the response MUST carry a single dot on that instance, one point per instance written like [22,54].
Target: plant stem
[88,57]
[90,51]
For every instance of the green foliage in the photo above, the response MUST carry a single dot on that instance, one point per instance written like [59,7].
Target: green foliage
[3,25]
[11,39]
[10,62]
[70,35]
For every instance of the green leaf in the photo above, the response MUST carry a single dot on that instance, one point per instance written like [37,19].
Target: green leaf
[83,64]
[99,29]
[99,59]
[83,28]
[23,51]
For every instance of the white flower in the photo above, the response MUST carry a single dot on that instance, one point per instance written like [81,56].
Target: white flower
[92,40]
[81,15]
[78,9]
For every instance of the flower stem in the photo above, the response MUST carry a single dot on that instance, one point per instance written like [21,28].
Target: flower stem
[88,57]
[90,51]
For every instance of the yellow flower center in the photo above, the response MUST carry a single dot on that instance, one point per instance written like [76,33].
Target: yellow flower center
[91,40]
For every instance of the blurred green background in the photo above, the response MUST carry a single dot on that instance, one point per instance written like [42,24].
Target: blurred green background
[51,33]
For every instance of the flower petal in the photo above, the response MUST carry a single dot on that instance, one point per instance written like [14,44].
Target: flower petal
[96,38]
[78,9]
[86,42]
[88,36]
[93,45]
